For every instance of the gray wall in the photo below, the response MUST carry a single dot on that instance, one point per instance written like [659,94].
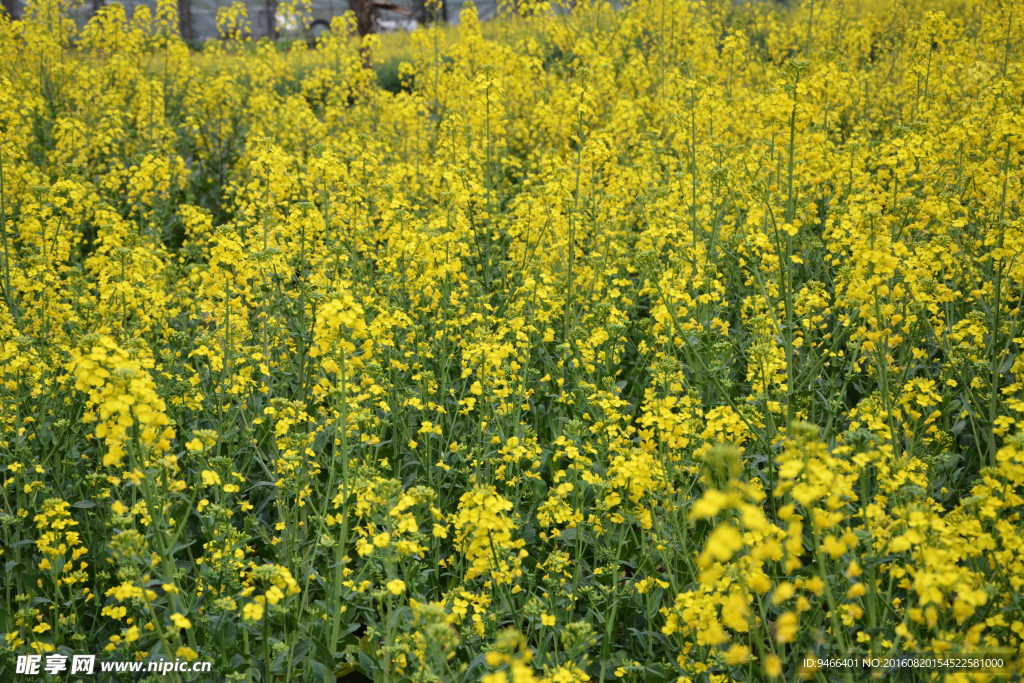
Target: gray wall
[198,17]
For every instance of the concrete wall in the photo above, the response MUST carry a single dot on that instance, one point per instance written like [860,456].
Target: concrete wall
[199,17]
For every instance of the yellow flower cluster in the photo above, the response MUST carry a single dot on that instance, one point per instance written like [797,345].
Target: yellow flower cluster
[483,533]
[123,399]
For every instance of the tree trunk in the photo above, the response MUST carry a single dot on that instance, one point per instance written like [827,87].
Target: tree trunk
[364,15]
[185,19]
[271,7]
[420,12]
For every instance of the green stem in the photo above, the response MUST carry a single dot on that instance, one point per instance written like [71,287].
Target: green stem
[8,294]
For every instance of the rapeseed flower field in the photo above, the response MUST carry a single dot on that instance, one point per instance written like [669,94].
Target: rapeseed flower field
[678,341]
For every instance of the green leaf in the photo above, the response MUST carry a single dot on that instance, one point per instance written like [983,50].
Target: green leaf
[366,664]
[320,672]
